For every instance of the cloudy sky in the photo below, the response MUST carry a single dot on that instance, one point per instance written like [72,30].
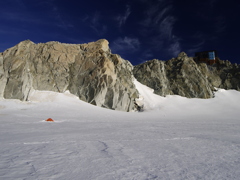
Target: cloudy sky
[138,30]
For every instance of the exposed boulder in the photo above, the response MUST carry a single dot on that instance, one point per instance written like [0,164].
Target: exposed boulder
[183,76]
[89,71]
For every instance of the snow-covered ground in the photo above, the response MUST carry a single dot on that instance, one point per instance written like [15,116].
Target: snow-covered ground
[174,138]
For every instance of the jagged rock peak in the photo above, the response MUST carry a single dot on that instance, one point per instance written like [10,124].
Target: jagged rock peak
[182,54]
[94,46]
[89,71]
[27,41]
[104,44]
[183,76]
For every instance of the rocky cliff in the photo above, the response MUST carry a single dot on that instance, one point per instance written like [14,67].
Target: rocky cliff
[99,77]
[89,71]
[185,77]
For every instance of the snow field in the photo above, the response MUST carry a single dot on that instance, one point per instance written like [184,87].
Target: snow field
[174,138]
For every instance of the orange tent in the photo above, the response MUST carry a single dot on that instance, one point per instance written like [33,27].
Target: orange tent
[50,119]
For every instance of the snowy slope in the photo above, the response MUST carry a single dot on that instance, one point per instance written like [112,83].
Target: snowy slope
[174,138]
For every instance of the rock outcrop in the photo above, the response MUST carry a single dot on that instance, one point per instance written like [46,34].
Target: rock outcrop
[89,71]
[223,75]
[99,77]
[185,77]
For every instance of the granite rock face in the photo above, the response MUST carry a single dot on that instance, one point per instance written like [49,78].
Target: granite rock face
[89,71]
[99,77]
[223,75]
[183,76]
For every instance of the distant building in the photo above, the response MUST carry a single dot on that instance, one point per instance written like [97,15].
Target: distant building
[209,57]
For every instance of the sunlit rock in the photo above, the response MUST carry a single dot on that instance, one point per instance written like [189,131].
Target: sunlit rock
[89,71]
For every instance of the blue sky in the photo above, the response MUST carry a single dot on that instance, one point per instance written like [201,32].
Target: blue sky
[138,30]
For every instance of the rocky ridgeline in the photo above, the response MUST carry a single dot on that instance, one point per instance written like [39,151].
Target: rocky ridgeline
[99,77]
[185,77]
[89,71]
